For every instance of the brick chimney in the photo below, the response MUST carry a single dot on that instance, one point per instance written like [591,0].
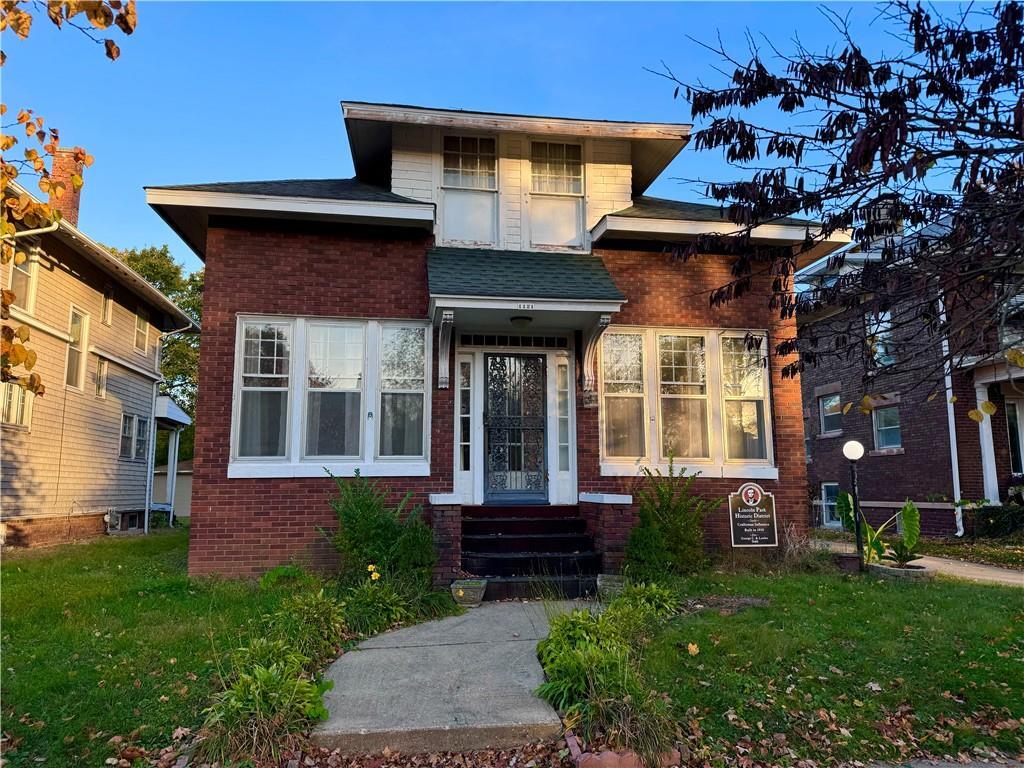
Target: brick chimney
[62,168]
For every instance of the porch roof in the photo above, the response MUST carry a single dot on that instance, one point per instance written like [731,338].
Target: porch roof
[519,275]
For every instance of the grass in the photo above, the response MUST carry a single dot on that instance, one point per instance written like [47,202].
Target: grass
[947,658]
[111,638]
[1007,552]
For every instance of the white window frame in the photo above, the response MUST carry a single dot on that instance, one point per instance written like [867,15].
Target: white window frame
[878,330]
[294,463]
[27,397]
[821,415]
[27,303]
[706,397]
[102,372]
[83,348]
[131,438]
[642,395]
[824,503]
[107,313]
[580,197]
[304,387]
[443,188]
[141,314]
[142,432]
[875,427]
[716,465]
[1017,404]
[141,427]
[469,135]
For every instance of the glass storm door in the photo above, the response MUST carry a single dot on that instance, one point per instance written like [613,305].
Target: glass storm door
[514,429]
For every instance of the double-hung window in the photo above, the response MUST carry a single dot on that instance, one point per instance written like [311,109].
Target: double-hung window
[829,497]
[343,394]
[23,279]
[134,437]
[15,405]
[887,427]
[78,327]
[469,178]
[142,331]
[556,194]
[107,316]
[880,338]
[683,392]
[127,436]
[698,397]
[830,414]
[744,388]
[623,372]
[265,377]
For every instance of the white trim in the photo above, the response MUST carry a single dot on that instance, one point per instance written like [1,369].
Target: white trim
[989,471]
[606,498]
[791,233]
[125,363]
[102,372]
[874,427]
[83,350]
[141,313]
[39,325]
[32,262]
[244,468]
[954,456]
[522,304]
[28,398]
[445,499]
[316,206]
[107,304]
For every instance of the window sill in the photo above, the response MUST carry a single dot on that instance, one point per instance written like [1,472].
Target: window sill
[887,452]
[748,471]
[272,469]
[829,435]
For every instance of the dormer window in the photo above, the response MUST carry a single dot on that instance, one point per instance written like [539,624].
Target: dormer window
[556,199]
[469,185]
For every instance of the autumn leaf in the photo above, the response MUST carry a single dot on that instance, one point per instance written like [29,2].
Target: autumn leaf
[988,407]
[975,415]
[112,50]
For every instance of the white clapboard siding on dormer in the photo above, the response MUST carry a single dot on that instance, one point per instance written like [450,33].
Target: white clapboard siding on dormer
[416,173]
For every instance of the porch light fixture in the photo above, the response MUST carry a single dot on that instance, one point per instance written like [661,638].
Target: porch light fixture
[520,321]
[853,450]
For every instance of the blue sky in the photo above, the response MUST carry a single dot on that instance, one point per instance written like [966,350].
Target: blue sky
[239,90]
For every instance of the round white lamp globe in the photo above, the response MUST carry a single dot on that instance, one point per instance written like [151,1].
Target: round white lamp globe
[853,450]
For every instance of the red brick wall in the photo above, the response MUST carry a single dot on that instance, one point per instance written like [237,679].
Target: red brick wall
[666,292]
[40,531]
[242,527]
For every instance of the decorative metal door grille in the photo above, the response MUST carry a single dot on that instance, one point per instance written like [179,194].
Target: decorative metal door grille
[514,427]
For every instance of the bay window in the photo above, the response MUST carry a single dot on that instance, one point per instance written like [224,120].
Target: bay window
[343,394]
[697,396]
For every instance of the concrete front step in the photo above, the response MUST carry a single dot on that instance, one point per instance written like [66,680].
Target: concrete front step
[540,587]
[522,510]
[528,542]
[481,526]
[489,564]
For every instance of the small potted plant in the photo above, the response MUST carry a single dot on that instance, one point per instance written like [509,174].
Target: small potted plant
[469,593]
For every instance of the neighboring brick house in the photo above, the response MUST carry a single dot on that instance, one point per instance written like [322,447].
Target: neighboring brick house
[79,459]
[925,450]
[487,316]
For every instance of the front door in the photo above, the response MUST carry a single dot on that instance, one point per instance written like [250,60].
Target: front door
[515,466]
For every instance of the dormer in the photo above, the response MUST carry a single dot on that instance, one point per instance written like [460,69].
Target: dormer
[512,182]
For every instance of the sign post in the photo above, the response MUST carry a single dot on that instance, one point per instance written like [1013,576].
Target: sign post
[752,517]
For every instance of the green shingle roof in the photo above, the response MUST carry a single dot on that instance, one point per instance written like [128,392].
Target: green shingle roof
[645,207]
[519,274]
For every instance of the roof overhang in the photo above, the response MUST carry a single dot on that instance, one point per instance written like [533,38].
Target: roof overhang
[188,212]
[653,145]
[170,414]
[613,227]
[490,313]
[81,243]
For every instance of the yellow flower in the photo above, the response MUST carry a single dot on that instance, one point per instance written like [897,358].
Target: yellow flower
[460,593]
[693,649]
[371,568]
[374,575]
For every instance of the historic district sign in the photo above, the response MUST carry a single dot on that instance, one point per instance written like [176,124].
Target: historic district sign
[752,517]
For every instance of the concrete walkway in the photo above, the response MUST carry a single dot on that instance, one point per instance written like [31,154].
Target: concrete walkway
[957,569]
[457,684]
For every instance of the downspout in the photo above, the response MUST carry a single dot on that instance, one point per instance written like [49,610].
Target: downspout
[152,421]
[954,459]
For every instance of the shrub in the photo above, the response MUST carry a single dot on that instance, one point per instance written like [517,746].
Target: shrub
[374,606]
[370,532]
[661,600]
[287,574]
[669,537]
[264,652]
[261,710]
[996,522]
[312,622]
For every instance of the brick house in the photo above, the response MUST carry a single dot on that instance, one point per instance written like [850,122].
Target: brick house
[485,316]
[925,450]
[78,460]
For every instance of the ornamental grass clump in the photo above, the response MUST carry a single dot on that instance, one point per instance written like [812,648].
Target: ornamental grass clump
[313,623]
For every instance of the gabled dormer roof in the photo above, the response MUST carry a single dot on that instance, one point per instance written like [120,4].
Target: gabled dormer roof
[653,145]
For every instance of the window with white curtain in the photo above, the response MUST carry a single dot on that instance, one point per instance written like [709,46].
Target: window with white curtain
[334,389]
[470,162]
[345,394]
[623,368]
[697,396]
[402,372]
[15,405]
[556,194]
[263,418]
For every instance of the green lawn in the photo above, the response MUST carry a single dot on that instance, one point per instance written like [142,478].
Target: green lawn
[846,667]
[110,637]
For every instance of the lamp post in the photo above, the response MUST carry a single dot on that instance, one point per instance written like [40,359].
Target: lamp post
[853,450]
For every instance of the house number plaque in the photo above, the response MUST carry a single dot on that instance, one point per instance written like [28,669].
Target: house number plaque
[752,517]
